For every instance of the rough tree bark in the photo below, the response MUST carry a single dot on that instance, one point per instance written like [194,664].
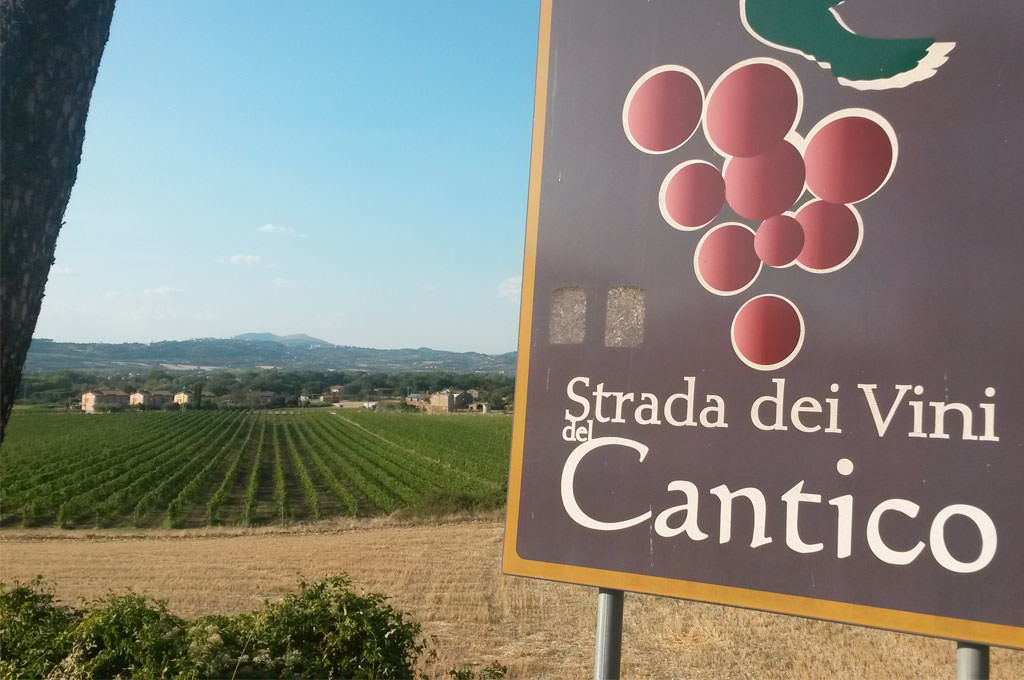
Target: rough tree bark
[49,54]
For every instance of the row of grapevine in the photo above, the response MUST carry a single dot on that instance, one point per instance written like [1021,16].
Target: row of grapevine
[478,445]
[235,467]
[407,466]
[80,492]
[252,485]
[400,488]
[215,506]
[194,462]
[177,508]
[299,467]
[441,474]
[313,447]
[50,459]
[376,496]
[48,451]
[98,493]
[118,497]
[280,488]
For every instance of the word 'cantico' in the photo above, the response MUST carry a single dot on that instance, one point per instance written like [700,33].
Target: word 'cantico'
[684,519]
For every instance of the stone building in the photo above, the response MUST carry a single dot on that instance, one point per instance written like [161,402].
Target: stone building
[99,400]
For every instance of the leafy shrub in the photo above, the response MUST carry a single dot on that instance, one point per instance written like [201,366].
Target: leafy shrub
[324,631]
[127,636]
[32,630]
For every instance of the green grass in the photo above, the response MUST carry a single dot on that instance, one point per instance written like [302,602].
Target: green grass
[246,467]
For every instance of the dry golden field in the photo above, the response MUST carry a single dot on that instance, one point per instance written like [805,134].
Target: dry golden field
[446,575]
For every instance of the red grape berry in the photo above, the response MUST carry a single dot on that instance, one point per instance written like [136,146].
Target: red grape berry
[832,235]
[691,195]
[767,332]
[759,187]
[849,155]
[663,109]
[752,106]
[779,240]
[725,261]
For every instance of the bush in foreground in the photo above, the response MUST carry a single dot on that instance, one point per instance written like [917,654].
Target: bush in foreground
[33,630]
[324,631]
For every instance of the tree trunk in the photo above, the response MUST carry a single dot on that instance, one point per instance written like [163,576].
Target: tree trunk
[49,53]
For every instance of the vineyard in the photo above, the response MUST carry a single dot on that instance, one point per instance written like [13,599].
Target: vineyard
[202,468]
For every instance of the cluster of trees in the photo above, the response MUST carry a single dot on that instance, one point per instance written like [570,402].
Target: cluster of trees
[64,388]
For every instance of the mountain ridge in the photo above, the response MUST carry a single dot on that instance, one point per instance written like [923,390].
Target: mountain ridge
[254,351]
[292,339]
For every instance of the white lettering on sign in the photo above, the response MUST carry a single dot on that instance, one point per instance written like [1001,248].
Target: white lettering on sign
[569,475]
[778,410]
[683,519]
[679,409]
[804,414]
[938,410]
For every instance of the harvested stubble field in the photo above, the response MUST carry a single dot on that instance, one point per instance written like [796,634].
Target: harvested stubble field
[446,575]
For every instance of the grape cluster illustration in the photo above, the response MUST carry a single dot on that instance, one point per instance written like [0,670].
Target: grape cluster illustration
[797,194]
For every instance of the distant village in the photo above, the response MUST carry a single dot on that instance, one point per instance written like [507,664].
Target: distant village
[449,400]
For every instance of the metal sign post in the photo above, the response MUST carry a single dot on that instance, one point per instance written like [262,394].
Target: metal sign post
[608,644]
[971,661]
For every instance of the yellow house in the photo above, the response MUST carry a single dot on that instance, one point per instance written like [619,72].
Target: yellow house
[182,398]
[149,399]
[100,399]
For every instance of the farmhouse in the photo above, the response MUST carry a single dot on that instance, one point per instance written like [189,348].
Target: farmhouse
[147,399]
[448,400]
[182,398]
[104,399]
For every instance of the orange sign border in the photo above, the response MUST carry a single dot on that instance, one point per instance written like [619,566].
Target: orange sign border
[513,564]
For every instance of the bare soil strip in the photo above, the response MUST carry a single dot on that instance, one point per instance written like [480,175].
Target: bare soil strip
[446,575]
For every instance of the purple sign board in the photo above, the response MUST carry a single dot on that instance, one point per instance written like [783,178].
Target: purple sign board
[771,348]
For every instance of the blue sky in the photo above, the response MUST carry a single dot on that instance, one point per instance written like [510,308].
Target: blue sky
[352,170]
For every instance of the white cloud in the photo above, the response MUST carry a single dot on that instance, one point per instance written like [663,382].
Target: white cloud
[277,229]
[274,229]
[509,288]
[282,282]
[247,260]
[158,291]
[62,271]
[162,291]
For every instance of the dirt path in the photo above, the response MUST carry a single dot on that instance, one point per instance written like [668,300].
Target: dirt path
[447,576]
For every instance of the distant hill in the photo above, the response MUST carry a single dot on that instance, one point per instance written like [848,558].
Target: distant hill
[252,351]
[297,339]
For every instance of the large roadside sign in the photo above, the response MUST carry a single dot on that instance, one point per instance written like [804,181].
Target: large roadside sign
[772,347]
